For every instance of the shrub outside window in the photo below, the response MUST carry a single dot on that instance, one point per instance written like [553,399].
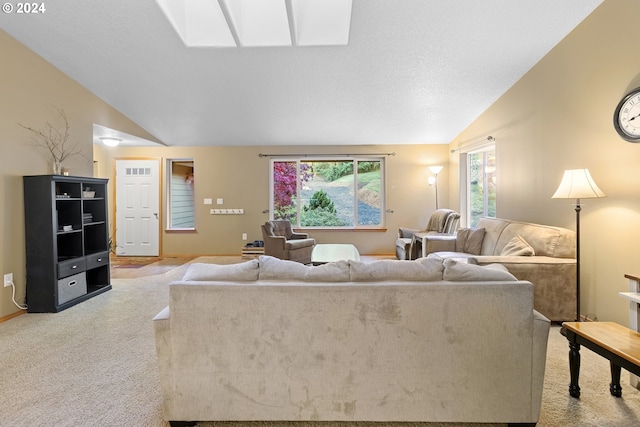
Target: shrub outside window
[328,193]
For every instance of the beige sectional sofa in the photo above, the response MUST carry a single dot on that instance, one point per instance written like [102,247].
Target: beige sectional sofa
[387,340]
[541,254]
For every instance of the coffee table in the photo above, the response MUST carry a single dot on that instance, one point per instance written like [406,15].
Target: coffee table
[330,252]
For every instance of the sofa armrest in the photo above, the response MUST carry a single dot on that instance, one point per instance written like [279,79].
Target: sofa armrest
[406,233]
[541,327]
[299,243]
[297,235]
[554,281]
[274,246]
[438,242]
[162,330]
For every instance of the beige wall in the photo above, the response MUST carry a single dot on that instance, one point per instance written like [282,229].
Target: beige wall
[30,86]
[241,178]
[559,116]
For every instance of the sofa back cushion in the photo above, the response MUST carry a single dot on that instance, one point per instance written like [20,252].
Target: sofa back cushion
[423,269]
[457,271]
[492,229]
[517,246]
[545,240]
[244,271]
[272,268]
[469,240]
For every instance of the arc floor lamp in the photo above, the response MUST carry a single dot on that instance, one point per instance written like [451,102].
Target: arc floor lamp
[577,184]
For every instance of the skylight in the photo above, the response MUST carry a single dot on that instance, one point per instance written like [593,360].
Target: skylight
[251,23]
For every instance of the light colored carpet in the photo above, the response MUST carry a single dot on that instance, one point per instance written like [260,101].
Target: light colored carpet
[95,365]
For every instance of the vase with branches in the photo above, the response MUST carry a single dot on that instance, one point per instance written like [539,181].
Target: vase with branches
[53,141]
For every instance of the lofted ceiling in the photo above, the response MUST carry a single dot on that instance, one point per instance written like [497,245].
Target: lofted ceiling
[413,72]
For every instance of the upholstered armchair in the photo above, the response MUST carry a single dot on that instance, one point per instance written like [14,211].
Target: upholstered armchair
[282,242]
[441,222]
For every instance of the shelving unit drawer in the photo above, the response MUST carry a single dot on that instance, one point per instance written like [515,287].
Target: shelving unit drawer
[72,287]
[97,260]
[72,266]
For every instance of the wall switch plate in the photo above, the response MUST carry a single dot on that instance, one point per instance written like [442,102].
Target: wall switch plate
[208,201]
[244,236]
[8,279]
[219,201]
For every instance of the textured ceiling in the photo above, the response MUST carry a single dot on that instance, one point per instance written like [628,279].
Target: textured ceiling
[414,72]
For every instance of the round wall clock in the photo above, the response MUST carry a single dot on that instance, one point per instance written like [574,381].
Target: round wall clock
[626,118]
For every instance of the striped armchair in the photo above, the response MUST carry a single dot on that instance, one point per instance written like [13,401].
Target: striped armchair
[442,221]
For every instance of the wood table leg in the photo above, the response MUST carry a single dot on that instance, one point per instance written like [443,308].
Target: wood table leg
[574,367]
[615,388]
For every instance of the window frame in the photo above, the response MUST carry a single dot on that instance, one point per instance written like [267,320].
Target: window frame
[169,196]
[329,158]
[465,180]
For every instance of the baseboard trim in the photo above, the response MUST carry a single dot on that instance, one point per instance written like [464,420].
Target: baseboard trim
[12,315]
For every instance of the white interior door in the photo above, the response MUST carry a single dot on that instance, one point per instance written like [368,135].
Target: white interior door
[137,207]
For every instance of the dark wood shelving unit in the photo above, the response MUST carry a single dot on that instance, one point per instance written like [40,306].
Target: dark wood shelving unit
[67,240]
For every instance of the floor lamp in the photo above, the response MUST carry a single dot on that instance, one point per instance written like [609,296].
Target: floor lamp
[577,184]
[433,180]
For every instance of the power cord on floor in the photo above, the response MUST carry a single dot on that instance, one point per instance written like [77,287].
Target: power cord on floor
[13,297]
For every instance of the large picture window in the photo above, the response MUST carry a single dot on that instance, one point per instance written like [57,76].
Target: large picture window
[328,193]
[481,184]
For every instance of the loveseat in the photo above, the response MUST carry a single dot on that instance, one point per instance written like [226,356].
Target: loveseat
[387,340]
[541,254]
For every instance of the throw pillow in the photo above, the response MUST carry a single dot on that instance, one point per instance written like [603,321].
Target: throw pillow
[272,268]
[457,271]
[469,240]
[244,271]
[423,269]
[518,247]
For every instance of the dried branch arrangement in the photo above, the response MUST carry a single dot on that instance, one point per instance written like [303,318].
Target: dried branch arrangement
[54,141]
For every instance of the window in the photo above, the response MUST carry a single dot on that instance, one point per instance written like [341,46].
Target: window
[181,202]
[481,184]
[334,193]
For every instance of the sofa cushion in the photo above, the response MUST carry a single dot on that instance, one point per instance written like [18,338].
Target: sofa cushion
[457,271]
[544,239]
[518,247]
[272,268]
[244,271]
[424,269]
[298,243]
[469,240]
[458,256]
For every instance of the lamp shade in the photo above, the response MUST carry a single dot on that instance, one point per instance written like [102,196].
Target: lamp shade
[577,184]
[435,169]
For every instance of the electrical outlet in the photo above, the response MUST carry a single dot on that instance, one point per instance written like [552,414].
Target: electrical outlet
[8,279]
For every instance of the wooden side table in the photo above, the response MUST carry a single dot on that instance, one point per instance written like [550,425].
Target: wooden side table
[618,344]
[634,311]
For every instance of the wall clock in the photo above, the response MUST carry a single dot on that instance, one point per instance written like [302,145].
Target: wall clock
[626,118]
